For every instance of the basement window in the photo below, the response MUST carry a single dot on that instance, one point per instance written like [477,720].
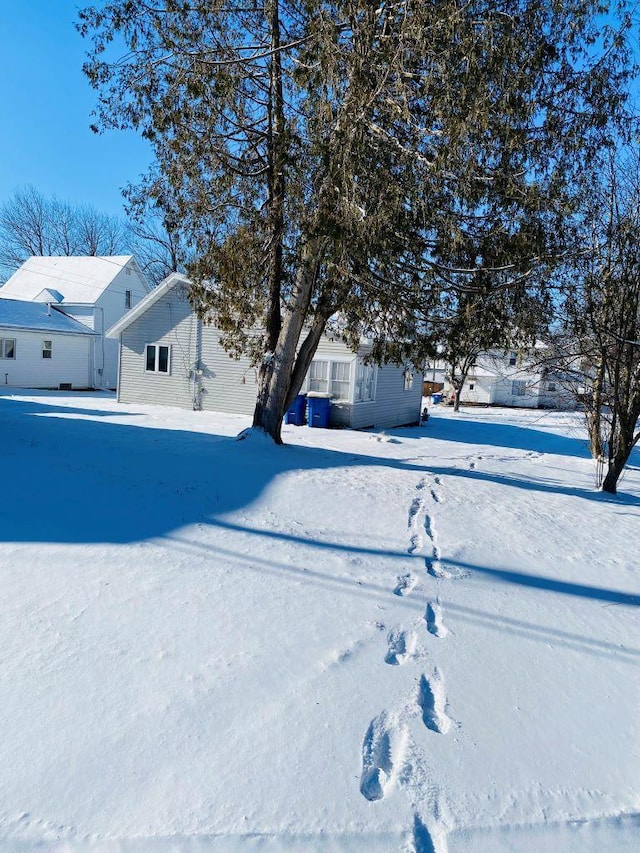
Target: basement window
[157,358]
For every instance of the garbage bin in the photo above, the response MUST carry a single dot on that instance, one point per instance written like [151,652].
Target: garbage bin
[436,398]
[296,412]
[319,409]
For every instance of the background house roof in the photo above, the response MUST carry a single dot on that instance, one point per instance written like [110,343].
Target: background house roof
[35,316]
[79,280]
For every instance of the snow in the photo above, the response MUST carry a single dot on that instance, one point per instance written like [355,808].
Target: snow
[423,640]
[79,279]
[36,316]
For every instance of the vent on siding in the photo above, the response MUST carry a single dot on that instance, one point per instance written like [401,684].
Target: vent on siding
[65,386]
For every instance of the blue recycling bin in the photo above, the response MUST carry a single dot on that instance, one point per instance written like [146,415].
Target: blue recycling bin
[295,414]
[436,398]
[319,411]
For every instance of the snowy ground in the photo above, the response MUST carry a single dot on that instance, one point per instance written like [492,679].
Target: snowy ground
[421,641]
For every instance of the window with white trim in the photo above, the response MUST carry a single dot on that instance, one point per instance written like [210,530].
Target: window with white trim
[319,376]
[127,299]
[7,348]
[518,388]
[340,380]
[47,349]
[157,358]
[365,388]
[513,357]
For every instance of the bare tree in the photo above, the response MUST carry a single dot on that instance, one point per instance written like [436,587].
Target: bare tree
[600,334]
[31,224]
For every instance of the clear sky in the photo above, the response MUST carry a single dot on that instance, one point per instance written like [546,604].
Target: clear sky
[46,102]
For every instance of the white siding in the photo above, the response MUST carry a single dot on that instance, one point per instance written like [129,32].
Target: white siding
[69,362]
[169,322]
[228,385]
[109,308]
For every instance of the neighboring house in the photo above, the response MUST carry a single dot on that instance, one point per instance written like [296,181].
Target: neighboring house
[504,378]
[169,356]
[40,347]
[95,291]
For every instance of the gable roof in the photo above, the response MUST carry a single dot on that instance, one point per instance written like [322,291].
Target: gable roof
[78,280]
[19,314]
[174,279]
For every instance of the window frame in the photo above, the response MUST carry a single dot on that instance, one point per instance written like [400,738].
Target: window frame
[407,380]
[47,349]
[327,382]
[156,359]
[3,349]
[518,388]
[369,380]
[127,299]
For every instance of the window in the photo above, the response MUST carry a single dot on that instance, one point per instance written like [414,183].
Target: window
[7,348]
[551,386]
[47,349]
[408,380]
[471,386]
[318,376]
[512,359]
[127,299]
[340,380]
[157,358]
[365,382]
[518,388]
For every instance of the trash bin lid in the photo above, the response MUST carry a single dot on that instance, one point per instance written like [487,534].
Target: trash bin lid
[322,395]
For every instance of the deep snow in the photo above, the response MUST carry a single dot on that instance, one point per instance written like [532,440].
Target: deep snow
[422,640]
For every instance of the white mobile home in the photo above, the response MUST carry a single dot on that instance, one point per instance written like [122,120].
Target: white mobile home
[40,347]
[95,291]
[169,356]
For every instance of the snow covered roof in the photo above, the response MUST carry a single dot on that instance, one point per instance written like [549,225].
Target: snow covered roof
[35,316]
[174,279]
[78,280]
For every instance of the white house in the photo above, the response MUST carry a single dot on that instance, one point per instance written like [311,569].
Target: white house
[95,291]
[169,356]
[40,347]
[507,378]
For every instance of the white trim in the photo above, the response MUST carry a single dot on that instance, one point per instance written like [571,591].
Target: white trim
[145,303]
[156,371]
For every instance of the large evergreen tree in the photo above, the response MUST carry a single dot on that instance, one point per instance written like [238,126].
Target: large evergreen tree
[351,156]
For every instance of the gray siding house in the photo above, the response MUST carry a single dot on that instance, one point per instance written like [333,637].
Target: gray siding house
[169,356]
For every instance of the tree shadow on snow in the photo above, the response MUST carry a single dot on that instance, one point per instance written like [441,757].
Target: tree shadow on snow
[496,434]
[71,476]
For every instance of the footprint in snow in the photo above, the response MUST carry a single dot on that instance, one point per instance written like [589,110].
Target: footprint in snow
[436,497]
[383,750]
[415,543]
[433,618]
[405,584]
[416,506]
[422,840]
[432,701]
[401,645]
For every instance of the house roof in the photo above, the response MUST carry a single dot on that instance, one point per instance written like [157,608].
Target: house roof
[172,280]
[35,316]
[77,280]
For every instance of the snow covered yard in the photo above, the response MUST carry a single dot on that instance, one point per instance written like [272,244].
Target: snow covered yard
[421,641]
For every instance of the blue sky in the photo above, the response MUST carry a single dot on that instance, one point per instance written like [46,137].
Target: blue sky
[46,101]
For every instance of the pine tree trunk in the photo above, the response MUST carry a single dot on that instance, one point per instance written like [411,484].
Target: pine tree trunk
[276,389]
